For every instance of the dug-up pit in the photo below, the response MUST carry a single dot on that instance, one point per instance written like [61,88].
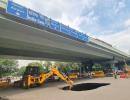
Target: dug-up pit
[85,86]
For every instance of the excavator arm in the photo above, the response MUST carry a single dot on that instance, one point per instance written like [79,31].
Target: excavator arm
[43,77]
[54,71]
[63,77]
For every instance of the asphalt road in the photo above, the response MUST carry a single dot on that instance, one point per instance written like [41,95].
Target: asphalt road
[119,89]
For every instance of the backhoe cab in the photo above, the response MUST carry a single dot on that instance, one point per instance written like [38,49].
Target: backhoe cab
[33,77]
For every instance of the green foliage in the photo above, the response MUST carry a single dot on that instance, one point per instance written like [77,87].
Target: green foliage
[74,66]
[62,66]
[21,70]
[66,67]
[7,67]
[47,65]
[35,64]
[97,67]
[42,68]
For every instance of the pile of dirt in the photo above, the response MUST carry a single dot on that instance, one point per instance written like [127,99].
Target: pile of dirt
[86,86]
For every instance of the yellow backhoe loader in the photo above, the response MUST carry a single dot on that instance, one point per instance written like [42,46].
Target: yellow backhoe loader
[33,77]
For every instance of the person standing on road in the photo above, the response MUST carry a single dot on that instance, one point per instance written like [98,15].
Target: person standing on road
[114,71]
[126,70]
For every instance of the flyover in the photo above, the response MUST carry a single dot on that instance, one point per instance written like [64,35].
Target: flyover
[25,39]
[17,39]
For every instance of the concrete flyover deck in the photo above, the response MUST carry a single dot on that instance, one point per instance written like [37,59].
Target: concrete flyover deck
[20,40]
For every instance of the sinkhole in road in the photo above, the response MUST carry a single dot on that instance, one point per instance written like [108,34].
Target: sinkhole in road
[85,86]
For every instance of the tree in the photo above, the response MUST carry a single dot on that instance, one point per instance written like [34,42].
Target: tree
[74,66]
[21,70]
[42,68]
[35,64]
[66,67]
[47,65]
[7,67]
[97,67]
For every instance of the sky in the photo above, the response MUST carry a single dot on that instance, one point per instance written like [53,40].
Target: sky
[108,20]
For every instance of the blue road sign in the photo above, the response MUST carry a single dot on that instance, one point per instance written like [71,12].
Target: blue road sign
[86,38]
[41,20]
[16,10]
[80,36]
[36,17]
[33,16]
[73,33]
[28,14]
[55,25]
[65,29]
[47,21]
